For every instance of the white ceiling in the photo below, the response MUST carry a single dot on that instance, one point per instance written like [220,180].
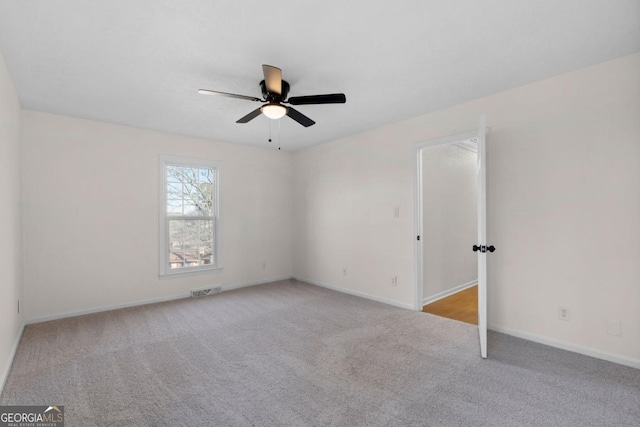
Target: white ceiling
[140,62]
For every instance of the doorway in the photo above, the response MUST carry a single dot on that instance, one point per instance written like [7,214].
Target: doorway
[437,241]
[449,225]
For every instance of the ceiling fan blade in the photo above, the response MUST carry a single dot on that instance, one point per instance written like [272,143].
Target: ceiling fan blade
[333,98]
[299,117]
[273,78]
[230,95]
[252,115]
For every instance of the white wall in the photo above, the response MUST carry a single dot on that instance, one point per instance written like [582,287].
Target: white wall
[449,218]
[345,196]
[91,216]
[10,221]
[563,207]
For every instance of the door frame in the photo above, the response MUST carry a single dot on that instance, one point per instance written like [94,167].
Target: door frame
[417,217]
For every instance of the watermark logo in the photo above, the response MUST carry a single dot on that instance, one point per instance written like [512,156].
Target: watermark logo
[32,416]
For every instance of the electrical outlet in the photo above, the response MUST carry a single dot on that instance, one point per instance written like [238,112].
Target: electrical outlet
[614,327]
[396,212]
[264,265]
[564,314]
[344,271]
[394,281]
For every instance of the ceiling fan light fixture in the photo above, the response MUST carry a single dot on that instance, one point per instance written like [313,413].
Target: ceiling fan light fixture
[273,111]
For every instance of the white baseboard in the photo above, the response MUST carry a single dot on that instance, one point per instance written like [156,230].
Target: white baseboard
[357,293]
[12,355]
[621,360]
[142,302]
[449,292]
[259,282]
[104,308]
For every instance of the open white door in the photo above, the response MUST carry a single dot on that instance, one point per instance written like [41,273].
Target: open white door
[481,247]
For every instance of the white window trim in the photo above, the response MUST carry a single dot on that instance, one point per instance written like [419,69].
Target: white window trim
[163,257]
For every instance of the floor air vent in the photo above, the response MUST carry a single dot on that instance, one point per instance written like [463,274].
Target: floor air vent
[205,292]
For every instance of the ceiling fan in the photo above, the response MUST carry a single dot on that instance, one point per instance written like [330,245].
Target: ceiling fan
[274,92]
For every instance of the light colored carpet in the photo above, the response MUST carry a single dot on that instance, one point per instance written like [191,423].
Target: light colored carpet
[293,354]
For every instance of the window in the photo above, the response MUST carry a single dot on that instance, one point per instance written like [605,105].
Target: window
[189,215]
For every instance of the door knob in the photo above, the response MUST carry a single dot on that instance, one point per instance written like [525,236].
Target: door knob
[483,248]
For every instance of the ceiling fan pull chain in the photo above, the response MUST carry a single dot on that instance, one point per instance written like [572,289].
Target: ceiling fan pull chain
[270,130]
[279,138]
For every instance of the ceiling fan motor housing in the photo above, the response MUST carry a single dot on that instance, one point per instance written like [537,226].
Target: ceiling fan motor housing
[274,97]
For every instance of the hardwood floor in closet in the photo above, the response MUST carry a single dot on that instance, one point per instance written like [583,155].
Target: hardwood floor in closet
[462,306]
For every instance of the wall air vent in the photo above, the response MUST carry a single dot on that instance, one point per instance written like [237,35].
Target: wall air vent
[205,292]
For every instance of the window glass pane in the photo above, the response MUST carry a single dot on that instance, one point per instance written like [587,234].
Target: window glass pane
[171,172]
[189,191]
[190,243]
[174,207]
